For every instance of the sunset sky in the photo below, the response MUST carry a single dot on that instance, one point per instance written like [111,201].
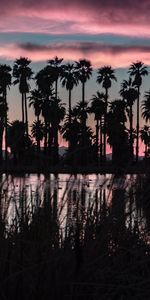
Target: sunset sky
[107,32]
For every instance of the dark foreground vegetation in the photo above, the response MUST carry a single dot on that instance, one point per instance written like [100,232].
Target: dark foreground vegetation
[113,118]
[87,245]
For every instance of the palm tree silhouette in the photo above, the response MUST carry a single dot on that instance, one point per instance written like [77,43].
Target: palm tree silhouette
[117,133]
[98,109]
[36,99]
[18,141]
[138,70]
[23,73]
[145,137]
[146,107]
[58,111]
[84,69]
[37,132]
[55,70]
[69,78]
[2,123]
[105,77]
[44,81]
[129,94]
[5,82]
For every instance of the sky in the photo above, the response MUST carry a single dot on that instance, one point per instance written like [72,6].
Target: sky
[107,32]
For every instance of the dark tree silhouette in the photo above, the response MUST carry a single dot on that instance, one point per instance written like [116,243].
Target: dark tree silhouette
[18,141]
[117,133]
[145,137]
[23,73]
[55,70]
[2,124]
[69,78]
[37,132]
[98,109]
[44,82]
[129,94]
[105,77]
[146,107]
[5,82]
[138,70]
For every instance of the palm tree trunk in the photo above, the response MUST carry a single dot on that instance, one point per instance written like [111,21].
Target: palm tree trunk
[137,126]
[56,146]
[97,139]
[83,92]
[1,143]
[83,152]
[38,140]
[45,136]
[105,122]
[6,130]
[69,106]
[26,113]
[56,88]
[101,141]
[22,103]
[131,133]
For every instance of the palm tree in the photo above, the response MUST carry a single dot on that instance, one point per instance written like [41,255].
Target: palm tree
[36,99]
[37,132]
[71,132]
[2,123]
[146,107]
[84,70]
[69,79]
[129,94]
[57,114]
[145,137]
[5,82]
[23,73]
[105,77]
[117,133]
[18,141]
[55,70]
[138,70]
[44,81]
[98,109]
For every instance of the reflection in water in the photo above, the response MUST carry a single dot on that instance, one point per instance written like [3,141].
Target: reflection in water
[71,199]
[74,237]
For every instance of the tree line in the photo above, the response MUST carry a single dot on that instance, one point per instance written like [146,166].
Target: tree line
[113,120]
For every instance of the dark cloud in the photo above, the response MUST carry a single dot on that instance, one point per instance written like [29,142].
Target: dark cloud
[84,47]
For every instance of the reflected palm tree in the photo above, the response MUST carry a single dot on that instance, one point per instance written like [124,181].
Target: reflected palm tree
[105,77]
[138,70]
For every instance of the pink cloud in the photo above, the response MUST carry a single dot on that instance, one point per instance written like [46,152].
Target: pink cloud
[63,16]
[99,54]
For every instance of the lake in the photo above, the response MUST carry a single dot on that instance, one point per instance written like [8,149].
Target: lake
[73,197]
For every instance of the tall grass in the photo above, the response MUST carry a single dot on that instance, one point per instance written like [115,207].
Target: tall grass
[75,239]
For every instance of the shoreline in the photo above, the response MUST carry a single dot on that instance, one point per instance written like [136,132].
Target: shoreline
[140,168]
